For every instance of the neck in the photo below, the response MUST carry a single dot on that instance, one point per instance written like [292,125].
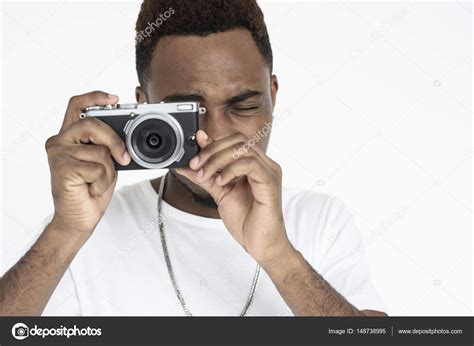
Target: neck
[178,196]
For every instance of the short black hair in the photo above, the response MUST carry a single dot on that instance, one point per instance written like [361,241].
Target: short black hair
[159,18]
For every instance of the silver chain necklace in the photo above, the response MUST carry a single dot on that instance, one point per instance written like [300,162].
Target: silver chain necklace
[174,282]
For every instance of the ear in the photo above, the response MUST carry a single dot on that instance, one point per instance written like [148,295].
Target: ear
[274,89]
[140,95]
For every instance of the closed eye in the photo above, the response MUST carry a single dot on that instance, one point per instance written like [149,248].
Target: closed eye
[245,108]
[246,111]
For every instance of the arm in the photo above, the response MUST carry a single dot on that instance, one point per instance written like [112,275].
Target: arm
[83,179]
[305,291]
[251,209]
[26,288]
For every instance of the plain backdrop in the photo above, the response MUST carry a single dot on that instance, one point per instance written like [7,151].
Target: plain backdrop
[374,107]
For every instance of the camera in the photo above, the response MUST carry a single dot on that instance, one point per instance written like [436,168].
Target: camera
[21,332]
[157,135]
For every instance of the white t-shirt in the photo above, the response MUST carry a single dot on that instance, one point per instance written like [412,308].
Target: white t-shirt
[121,269]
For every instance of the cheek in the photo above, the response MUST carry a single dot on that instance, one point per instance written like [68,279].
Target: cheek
[260,135]
[263,143]
[225,124]
[251,126]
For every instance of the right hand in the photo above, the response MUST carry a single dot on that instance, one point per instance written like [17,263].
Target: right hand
[83,176]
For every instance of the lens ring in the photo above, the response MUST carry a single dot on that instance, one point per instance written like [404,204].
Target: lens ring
[175,126]
[153,140]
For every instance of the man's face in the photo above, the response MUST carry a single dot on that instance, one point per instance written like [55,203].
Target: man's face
[226,73]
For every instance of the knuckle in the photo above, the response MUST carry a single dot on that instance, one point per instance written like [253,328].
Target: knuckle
[50,142]
[74,100]
[279,169]
[240,137]
[276,167]
[100,170]
[86,125]
[55,151]
[87,122]
[95,189]
[251,160]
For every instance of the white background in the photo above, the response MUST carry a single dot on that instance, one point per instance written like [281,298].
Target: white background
[374,106]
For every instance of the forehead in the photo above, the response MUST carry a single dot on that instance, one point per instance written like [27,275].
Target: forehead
[217,65]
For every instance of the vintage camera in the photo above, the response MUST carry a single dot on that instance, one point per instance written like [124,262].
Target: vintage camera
[160,135]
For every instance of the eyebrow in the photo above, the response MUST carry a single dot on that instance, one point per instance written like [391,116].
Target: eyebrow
[244,95]
[184,97]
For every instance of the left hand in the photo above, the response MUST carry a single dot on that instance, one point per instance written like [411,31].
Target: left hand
[247,191]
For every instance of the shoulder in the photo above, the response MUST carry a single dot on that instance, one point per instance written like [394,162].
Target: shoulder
[324,208]
[314,220]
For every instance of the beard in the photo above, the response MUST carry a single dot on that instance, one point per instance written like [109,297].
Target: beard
[199,195]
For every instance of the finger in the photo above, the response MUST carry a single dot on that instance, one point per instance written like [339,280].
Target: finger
[252,144]
[210,186]
[94,153]
[81,172]
[251,167]
[218,161]
[187,172]
[203,139]
[209,147]
[91,130]
[77,104]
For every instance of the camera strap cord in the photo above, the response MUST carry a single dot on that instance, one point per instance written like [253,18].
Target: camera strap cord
[174,282]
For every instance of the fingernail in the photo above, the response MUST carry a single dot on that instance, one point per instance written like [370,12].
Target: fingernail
[204,135]
[200,173]
[194,162]
[219,179]
[111,96]
[126,157]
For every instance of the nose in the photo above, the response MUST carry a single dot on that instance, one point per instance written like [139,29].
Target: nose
[216,123]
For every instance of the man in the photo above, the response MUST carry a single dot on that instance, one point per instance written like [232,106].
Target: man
[232,241]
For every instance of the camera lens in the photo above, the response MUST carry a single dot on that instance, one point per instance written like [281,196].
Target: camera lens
[153,141]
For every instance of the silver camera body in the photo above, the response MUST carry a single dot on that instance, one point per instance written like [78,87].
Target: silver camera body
[158,135]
